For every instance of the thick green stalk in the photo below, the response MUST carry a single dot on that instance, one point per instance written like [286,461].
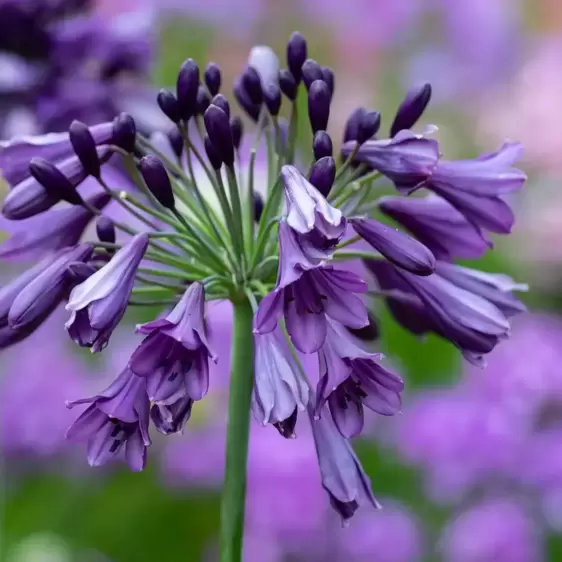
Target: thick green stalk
[241,382]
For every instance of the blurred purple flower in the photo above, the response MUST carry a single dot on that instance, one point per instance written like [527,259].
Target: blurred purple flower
[496,529]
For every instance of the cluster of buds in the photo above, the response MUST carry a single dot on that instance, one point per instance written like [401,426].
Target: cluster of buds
[190,223]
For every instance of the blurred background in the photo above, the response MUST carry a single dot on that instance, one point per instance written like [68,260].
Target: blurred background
[472,469]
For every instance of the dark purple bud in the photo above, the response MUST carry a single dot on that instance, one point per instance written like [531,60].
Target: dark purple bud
[322,145]
[125,132]
[157,180]
[322,175]
[85,147]
[172,418]
[287,427]
[105,230]
[368,127]
[288,84]
[187,86]
[169,105]
[411,108]
[353,123]
[236,129]
[319,105]
[296,55]
[272,99]
[252,84]
[218,129]
[258,206]
[311,71]
[252,109]
[329,77]
[370,332]
[213,78]
[220,101]
[203,100]
[212,154]
[55,183]
[176,141]
[78,272]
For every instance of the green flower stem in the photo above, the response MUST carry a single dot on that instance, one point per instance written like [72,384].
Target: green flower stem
[348,242]
[263,233]
[250,207]
[183,275]
[164,217]
[121,200]
[241,384]
[342,255]
[237,216]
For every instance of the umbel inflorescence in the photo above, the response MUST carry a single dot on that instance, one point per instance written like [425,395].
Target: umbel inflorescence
[191,222]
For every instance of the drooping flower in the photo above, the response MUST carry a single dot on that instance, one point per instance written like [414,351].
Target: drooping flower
[98,304]
[408,160]
[350,378]
[475,187]
[117,416]
[343,477]
[438,225]
[174,357]
[279,389]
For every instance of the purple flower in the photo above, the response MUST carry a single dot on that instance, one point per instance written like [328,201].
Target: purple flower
[397,247]
[319,225]
[408,160]
[343,477]
[475,187]
[174,358]
[279,388]
[41,295]
[53,230]
[350,378]
[29,197]
[173,417]
[438,225]
[471,312]
[307,300]
[117,416]
[494,287]
[98,304]
[496,529]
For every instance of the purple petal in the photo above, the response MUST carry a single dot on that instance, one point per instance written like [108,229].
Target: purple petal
[307,330]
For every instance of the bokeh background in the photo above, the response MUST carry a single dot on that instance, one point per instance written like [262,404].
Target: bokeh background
[471,471]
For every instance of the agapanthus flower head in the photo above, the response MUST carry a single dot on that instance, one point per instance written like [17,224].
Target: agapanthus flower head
[196,224]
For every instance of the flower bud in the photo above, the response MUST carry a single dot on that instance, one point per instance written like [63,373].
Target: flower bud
[187,86]
[212,154]
[220,101]
[311,71]
[351,131]
[124,132]
[218,129]
[258,206]
[329,77]
[157,180]
[169,105]
[55,183]
[322,175]
[252,109]
[203,100]
[252,84]
[105,229]
[85,147]
[368,126]
[212,78]
[288,84]
[322,145]
[236,129]
[296,55]
[411,108]
[272,99]
[176,142]
[319,105]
